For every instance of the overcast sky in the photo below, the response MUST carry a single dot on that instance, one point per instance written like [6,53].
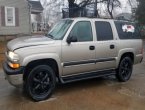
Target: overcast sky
[125,6]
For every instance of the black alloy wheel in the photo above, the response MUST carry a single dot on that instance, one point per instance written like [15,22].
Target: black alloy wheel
[124,70]
[41,82]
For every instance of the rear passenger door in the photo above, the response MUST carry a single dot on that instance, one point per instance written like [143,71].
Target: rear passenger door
[106,48]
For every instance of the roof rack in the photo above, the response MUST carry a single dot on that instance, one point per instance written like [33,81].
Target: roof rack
[78,12]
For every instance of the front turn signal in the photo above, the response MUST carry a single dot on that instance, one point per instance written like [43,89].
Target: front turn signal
[14,65]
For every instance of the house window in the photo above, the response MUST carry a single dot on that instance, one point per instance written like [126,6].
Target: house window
[10,16]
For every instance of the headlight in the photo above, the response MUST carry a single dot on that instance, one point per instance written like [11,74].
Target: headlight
[13,56]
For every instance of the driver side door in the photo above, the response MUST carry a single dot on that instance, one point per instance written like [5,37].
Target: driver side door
[78,57]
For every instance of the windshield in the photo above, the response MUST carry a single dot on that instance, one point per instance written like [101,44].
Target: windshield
[60,29]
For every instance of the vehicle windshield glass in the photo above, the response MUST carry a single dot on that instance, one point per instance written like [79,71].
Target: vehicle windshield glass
[60,29]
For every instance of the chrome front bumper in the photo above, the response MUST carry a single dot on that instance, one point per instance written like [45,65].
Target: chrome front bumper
[15,80]
[14,76]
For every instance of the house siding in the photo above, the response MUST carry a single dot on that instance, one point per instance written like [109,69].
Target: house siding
[23,26]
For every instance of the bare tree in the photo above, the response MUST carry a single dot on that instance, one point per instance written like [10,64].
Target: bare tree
[52,10]
[74,7]
[53,7]
[111,4]
[133,4]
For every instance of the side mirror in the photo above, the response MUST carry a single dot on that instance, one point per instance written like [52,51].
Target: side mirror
[71,39]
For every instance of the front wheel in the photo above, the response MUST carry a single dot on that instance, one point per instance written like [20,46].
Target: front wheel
[40,83]
[124,71]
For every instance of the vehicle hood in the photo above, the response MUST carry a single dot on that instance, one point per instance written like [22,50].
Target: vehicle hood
[23,42]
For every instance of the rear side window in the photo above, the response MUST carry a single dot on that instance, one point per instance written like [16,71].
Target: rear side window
[103,30]
[127,30]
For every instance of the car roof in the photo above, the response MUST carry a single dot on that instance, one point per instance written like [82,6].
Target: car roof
[101,19]
[85,18]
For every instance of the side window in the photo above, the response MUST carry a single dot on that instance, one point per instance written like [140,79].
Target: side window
[83,31]
[103,30]
[127,30]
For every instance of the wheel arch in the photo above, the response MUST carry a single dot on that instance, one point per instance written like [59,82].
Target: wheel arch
[129,54]
[125,52]
[52,62]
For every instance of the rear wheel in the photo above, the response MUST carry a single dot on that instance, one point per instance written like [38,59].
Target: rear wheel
[124,70]
[40,83]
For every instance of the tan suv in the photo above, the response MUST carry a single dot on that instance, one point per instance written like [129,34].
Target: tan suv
[75,49]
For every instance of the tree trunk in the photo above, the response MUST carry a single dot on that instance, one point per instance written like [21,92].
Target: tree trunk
[111,15]
[71,4]
[110,11]
[95,8]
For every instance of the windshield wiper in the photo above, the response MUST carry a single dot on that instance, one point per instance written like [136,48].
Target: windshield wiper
[50,36]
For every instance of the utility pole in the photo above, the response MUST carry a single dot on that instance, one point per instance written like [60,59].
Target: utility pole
[133,7]
[130,3]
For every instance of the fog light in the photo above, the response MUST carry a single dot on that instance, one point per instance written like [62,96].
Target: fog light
[14,65]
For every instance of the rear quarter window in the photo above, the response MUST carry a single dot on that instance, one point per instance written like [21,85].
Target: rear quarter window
[127,30]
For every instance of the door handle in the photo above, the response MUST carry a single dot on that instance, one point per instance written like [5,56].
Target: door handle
[112,46]
[92,47]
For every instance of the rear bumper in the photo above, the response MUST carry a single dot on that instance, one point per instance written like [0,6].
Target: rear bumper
[141,60]
[138,59]
[14,76]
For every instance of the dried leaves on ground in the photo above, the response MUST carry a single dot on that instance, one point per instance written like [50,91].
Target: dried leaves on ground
[2,51]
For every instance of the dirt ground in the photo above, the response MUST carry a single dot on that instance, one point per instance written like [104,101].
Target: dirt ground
[2,47]
[2,51]
[2,57]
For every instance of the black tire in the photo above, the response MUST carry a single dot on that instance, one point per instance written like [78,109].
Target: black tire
[124,71]
[40,83]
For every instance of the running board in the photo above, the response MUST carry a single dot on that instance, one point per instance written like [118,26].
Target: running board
[90,75]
